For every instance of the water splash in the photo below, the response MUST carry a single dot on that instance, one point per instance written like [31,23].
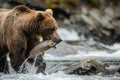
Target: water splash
[31,68]
[25,67]
[22,67]
[28,68]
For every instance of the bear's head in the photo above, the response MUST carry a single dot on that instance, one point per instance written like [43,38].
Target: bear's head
[36,23]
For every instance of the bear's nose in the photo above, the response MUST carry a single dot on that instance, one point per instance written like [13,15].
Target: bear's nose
[55,40]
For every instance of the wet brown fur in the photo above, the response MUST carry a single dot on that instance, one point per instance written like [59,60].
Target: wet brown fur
[20,30]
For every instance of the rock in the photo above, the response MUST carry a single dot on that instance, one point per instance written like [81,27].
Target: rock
[87,66]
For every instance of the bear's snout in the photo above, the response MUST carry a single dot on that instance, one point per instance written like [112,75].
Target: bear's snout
[56,40]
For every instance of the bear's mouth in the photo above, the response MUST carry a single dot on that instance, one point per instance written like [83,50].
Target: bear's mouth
[56,41]
[53,42]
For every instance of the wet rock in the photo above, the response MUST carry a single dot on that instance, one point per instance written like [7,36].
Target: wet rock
[88,66]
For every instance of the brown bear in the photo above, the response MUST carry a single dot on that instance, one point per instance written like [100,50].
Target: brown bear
[20,31]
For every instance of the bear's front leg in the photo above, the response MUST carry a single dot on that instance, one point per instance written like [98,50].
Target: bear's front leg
[17,50]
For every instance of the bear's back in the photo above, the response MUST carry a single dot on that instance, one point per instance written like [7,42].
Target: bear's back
[3,15]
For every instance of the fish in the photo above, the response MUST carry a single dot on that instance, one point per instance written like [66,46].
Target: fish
[39,51]
[43,46]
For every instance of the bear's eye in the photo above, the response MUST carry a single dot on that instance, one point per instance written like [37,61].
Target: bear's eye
[16,14]
[51,30]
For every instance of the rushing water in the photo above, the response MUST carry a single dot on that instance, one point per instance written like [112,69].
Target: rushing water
[104,53]
[55,76]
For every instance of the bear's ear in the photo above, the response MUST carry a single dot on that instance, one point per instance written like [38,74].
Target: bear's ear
[49,11]
[40,15]
[22,8]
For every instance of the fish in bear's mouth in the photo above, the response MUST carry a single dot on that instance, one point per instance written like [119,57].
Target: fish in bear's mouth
[44,45]
[39,50]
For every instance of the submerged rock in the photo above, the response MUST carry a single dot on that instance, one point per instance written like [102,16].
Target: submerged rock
[88,66]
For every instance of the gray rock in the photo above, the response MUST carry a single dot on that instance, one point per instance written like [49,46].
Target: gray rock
[87,66]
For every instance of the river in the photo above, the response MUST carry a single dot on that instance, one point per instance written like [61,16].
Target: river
[70,53]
